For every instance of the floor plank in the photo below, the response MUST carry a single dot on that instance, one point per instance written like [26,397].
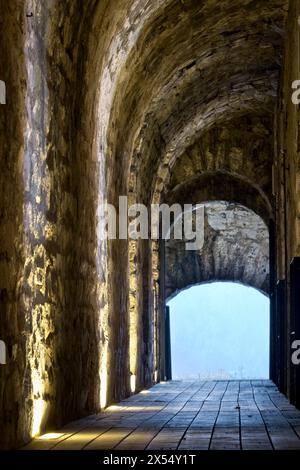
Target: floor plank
[187,415]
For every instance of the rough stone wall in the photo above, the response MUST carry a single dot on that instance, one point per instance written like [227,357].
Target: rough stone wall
[60,200]
[241,147]
[60,320]
[13,326]
[93,112]
[236,248]
[73,200]
[52,324]
[287,155]
[286,175]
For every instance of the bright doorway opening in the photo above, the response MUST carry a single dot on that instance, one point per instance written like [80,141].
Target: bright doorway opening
[220,331]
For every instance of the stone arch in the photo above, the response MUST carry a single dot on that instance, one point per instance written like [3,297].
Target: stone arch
[201,283]
[222,186]
[236,248]
[94,114]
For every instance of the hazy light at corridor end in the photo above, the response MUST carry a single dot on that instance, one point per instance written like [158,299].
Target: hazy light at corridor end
[133,383]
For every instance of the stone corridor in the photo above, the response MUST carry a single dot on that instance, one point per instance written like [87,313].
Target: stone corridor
[156,103]
[187,415]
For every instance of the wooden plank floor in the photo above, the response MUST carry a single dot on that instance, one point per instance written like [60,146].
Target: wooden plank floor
[187,415]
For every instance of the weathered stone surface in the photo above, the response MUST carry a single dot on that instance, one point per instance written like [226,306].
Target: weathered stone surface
[287,187]
[236,248]
[242,147]
[13,325]
[106,99]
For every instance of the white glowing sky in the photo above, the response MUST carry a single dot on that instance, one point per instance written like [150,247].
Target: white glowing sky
[221,331]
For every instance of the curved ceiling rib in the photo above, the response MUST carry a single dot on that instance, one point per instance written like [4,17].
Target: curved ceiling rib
[177,84]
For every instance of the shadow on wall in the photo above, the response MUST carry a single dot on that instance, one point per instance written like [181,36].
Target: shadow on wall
[220,331]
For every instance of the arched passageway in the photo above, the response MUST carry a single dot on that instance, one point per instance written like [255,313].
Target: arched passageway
[167,101]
